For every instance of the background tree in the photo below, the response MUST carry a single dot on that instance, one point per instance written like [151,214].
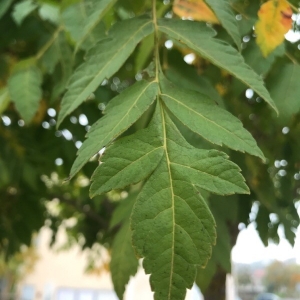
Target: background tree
[282,278]
[244,276]
[156,117]
[14,269]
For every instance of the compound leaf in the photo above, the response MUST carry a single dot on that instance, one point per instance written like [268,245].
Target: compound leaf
[199,37]
[103,61]
[179,227]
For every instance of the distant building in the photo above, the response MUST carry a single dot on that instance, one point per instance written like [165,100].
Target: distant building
[61,276]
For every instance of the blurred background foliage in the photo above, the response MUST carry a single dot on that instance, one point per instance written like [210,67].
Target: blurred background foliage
[44,39]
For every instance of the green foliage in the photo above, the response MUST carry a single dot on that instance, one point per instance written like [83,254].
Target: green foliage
[135,100]
[227,18]
[173,136]
[4,99]
[83,21]
[103,61]
[205,118]
[216,51]
[22,10]
[285,89]
[282,278]
[24,88]
[169,208]
[123,262]
[4,6]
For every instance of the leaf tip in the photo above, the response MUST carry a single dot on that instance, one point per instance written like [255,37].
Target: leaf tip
[67,179]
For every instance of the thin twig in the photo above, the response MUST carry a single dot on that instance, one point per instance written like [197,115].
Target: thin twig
[293,60]
[49,43]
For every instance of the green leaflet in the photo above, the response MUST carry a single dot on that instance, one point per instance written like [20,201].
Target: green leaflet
[4,6]
[123,260]
[83,21]
[64,53]
[50,12]
[285,90]
[179,227]
[22,10]
[195,82]
[204,117]
[206,169]
[123,210]
[121,113]
[260,64]
[24,86]
[4,99]
[129,160]
[4,175]
[221,251]
[199,37]
[103,61]
[144,52]
[204,276]
[53,54]
[224,13]
[262,220]
[98,9]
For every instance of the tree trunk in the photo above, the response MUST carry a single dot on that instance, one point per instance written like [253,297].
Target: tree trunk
[217,287]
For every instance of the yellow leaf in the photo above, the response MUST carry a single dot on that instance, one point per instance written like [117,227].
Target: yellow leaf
[274,21]
[195,9]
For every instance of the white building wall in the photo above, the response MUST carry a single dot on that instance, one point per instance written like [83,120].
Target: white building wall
[60,275]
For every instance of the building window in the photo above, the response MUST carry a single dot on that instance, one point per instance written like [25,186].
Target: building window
[65,294]
[27,292]
[85,295]
[106,295]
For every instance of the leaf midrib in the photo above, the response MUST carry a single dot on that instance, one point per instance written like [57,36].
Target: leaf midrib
[209,120]
[173,197]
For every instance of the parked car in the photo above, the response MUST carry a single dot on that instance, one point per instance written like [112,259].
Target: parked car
[267,296]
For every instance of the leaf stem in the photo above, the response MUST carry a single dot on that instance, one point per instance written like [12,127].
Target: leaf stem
[289,56]
[294,7]
[49,43]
